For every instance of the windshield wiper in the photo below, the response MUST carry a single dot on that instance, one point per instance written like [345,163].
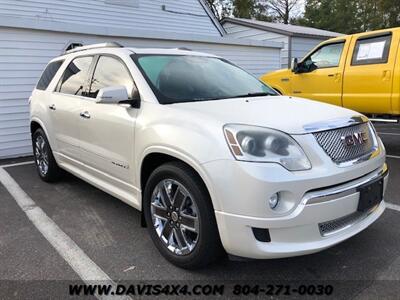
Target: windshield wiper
[255,95]
[228,97]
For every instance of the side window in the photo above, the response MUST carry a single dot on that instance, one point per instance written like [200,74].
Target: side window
[327,56]
[372,50]
[75,75]
[48,74]
[110,72]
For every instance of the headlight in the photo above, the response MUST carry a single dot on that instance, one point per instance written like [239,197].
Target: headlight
[259,144]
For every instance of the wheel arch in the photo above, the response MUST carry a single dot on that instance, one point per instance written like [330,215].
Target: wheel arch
[158,156]
[35,124]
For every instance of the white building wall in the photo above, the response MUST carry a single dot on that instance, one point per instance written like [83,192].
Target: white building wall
[183,16]
[301,46]
[25,52]
[240,31]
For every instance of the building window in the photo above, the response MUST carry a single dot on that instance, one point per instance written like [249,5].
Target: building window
[132,3]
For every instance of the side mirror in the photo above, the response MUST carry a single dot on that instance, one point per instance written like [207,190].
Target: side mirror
[117,95]
[295,65]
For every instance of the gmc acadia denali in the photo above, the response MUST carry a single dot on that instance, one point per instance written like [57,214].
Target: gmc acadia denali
[216,160]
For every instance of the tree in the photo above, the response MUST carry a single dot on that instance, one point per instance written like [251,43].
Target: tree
[264,10]
[392,9]
[262,13]
[351,16]
[334,15]
[282,9]
[379,14]
[220,8]
[244,8]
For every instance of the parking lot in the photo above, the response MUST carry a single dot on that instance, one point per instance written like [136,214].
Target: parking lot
[106,233]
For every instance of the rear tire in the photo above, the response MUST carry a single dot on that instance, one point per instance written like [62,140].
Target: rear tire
[184,230]
[46,165]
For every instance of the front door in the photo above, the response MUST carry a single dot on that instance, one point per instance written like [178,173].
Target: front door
[107,130]
[321,77]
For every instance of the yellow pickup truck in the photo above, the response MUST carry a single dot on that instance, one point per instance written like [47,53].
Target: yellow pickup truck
[359,71]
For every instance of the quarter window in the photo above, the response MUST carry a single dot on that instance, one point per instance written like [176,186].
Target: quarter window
[327,56]
[372,50]
[110,72]
[48,74]
[75,76]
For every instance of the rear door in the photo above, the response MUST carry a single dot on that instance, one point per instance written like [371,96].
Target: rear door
[368,76]
[43,92]
[66,104]
[324,76]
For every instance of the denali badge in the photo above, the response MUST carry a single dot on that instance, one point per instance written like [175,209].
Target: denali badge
[121,165]
[356,138]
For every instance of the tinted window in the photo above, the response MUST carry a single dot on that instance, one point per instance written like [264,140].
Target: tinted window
[184,78]
[110,72]
[374,50]
[74,77]
[327,56]
[48,74]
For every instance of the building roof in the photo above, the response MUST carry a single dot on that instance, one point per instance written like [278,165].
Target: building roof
[285,29]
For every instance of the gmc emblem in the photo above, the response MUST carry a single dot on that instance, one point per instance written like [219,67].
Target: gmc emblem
[356,138]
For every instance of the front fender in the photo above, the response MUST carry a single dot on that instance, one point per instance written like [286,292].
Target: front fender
[190,137]
[186,158]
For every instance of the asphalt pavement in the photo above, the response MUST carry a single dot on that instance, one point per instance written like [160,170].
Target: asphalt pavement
[109,235]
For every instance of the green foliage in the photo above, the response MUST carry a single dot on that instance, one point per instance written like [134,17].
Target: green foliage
[345,16]
[244,8]
[351,16]
[220,8]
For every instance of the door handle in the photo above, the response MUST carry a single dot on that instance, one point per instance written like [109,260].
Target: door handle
[52,107]
[386,75]
[85,115]
[336,76]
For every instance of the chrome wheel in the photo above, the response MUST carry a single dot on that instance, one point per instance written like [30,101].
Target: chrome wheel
[175,216]
[41,155]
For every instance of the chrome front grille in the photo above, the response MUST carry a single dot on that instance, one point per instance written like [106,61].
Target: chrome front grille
[334,144]
[336,225]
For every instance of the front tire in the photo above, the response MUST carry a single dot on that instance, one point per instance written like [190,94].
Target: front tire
[46,165]
[180,217]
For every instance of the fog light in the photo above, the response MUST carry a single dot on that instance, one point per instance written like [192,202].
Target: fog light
[273,200]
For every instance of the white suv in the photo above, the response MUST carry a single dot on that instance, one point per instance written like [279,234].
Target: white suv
[213,158]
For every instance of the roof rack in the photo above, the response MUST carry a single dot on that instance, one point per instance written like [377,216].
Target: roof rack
[183,48]
[94,46]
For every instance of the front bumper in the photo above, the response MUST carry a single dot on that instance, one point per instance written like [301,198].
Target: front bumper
[296,228]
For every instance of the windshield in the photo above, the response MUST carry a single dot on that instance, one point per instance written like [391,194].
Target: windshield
[184,78]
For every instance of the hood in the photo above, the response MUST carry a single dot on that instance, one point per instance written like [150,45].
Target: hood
[288,114]
[277,73]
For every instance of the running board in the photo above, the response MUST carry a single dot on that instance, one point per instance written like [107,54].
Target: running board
[384,120]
